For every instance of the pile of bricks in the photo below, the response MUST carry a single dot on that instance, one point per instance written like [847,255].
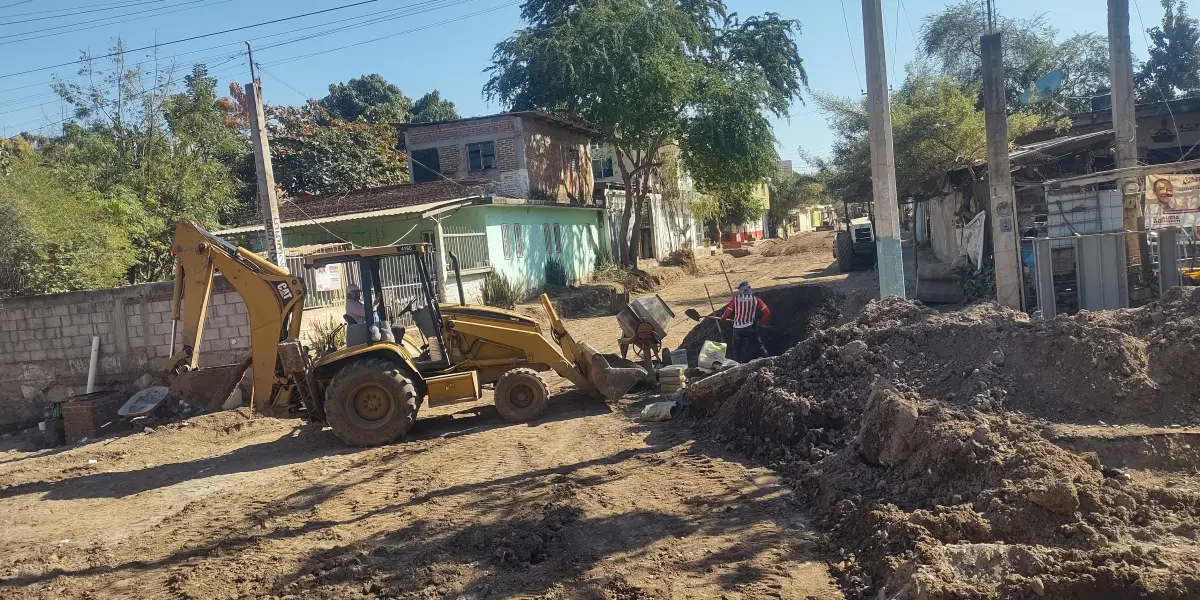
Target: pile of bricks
[84,416]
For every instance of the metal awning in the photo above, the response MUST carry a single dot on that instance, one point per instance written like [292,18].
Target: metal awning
[417,210]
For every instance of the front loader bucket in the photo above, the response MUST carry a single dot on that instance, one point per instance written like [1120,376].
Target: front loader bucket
[613,382]
[208,388]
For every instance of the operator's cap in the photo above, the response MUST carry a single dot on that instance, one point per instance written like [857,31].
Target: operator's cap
[744,287]
[353,288]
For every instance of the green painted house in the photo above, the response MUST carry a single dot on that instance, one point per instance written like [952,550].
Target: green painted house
[521,197]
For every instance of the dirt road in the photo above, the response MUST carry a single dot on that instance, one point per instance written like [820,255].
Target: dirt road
[587,502]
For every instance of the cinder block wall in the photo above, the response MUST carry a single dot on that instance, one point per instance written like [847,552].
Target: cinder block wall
[46,342]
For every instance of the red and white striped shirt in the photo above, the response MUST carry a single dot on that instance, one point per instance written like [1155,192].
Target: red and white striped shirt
[744,309]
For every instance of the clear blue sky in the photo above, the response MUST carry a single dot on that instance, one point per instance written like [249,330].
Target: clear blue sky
[421,51]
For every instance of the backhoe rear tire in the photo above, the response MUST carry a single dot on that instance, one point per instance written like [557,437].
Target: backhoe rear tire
[370,403]
[521,395]
[844,251]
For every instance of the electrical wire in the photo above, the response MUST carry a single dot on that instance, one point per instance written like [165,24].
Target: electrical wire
[189,5]
[1158,85]
[895,41]
[392,13]
[850,42]
[82,12]
[196,37]
[15,4]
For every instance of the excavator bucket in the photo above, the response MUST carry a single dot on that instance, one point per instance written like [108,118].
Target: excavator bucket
[208,388]
[593,371]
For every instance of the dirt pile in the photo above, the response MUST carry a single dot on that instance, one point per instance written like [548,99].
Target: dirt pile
[797,310]
[816,243]
[917,437]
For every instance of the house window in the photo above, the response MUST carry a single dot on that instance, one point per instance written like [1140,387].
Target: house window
[481,156]
[546,234]
[602,168]
[557,239]
[519,239]
[506,240]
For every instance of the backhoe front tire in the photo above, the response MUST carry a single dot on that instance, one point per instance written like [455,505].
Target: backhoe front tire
[370,403]
[521,395]
[843,250]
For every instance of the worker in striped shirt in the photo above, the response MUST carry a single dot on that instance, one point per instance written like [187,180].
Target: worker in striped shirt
[747,312]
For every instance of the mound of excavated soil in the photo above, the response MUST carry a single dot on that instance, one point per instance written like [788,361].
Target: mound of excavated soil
[796,311]
[917,437]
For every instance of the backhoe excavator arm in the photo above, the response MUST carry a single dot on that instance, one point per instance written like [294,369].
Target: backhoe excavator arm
[274,300]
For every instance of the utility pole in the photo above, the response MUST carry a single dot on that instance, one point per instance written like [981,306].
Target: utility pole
[883,160]
[1125,129]
[267,202]
[1002,207]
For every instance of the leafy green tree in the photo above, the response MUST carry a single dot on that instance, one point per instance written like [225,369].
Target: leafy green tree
[792,191]
[1173,67]
[369,98]
[936,128]
[153,157]
[432,108]
[646,74]
[314,152]
[56,239]
[951,39]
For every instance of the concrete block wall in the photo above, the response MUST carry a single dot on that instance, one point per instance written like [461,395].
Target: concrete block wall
[46,341]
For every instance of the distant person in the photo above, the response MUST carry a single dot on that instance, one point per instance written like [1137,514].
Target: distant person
[747,312]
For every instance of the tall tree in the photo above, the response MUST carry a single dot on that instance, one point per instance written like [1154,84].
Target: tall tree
[936,128]
[1173,67]
[951,39]
[369,98]
[314,152]
[431,108]
[646,73]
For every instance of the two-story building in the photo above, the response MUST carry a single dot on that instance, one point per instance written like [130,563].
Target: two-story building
[503,193]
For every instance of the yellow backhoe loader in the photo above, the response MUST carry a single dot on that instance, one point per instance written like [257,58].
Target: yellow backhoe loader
[369,392]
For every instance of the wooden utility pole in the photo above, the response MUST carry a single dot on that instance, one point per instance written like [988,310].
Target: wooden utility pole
[1002,204]
[883,161]
[267,202]
[1125,128]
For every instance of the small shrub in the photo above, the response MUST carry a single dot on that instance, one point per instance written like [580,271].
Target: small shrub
[498,291]
[556,272]
[684,258]
[328,334]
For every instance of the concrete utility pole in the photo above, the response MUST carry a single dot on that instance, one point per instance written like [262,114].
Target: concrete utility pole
[267,202]
[1002,205]
[883,161]
[1125,128]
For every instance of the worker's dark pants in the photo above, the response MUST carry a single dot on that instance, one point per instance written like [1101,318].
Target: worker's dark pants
[747,346]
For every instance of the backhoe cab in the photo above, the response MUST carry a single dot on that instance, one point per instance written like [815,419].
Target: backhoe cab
[854,244]
[369,391]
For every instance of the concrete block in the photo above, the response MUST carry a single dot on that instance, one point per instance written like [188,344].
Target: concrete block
[99,317]
[108,349]
[8,326]
[41,311]
[218,299]
[21,357]
[244,331]
[53,322]
[136,342]
[219,345]
[102,328]
[133,320]
[39,355]
[161,328]
[217,322]
[239,319]
[162,350]
[60,311]
[161,306]
[158,340]
[239,343]
[79,319]
[76,309]
[58,354]
[70,331]
[24,335]
[154,317]
[138,331]
[37,323]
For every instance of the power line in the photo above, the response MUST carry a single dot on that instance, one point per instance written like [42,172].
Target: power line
[196,37]
[15,4]
[111,5]
[391,14]
[850,42]
[390,35]
[190,5]
[1158,84]
[82,12]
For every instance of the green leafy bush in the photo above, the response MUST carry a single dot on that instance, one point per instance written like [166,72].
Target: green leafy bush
[498,291]
[556,272]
